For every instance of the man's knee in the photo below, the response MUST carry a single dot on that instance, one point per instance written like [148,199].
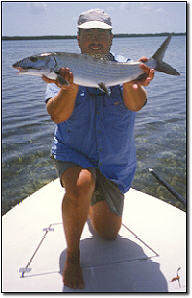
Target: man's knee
[105,223]
[85,183]
[82,188]
[107,232]
[108,235]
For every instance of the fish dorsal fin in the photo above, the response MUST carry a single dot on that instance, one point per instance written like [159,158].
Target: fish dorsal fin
[159,54]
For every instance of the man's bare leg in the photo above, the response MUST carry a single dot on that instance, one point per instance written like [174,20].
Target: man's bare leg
[106,223]
[79,185]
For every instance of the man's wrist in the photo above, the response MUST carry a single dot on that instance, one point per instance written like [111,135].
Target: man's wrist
[132,84]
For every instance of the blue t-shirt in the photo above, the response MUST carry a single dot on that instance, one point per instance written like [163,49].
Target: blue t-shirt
[99,133]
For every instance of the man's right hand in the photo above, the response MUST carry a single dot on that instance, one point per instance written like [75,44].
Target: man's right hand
[66,75]
[61,106]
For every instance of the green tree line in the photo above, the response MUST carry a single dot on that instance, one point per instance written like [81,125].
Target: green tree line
[119,35]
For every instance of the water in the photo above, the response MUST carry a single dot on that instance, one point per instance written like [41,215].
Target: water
[27,130]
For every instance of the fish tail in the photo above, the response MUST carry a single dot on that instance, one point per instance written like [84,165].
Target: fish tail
[161,66]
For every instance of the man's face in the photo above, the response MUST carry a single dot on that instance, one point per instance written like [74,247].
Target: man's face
[95,41]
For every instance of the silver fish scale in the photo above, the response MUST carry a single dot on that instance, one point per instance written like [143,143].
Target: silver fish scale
[110,74]
[95,72]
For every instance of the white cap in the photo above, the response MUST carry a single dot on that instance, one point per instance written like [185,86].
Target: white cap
[94,18]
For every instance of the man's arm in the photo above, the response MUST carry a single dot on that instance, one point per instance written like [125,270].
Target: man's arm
[61,106]
[134,95]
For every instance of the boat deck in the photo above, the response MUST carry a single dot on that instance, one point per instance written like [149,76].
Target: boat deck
[145,257]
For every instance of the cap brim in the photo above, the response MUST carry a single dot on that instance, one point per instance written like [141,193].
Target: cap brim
[94,25]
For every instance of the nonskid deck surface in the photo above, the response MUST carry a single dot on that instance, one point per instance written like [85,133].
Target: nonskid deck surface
[144,258]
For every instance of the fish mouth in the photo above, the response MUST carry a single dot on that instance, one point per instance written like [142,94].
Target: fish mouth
[15,65]
[19,68]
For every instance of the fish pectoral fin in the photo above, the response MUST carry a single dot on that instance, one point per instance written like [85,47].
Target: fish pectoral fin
[103,88]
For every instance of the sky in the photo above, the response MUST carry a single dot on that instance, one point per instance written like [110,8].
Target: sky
[60,18]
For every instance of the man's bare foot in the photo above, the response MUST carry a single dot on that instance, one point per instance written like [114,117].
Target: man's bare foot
[72,273]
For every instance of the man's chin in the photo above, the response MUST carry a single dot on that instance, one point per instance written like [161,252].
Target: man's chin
[102,56]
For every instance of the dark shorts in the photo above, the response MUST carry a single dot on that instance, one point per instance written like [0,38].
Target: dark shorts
[105,190]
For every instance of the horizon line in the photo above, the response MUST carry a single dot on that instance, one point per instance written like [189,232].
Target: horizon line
[74,36]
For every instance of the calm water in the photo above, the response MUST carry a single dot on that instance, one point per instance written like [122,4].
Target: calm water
[27,132]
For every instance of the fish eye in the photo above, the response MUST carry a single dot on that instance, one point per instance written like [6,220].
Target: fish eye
[33,59]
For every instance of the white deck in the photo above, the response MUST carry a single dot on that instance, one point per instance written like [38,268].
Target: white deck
[151,246]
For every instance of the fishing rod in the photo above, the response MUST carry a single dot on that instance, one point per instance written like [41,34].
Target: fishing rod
[169,187]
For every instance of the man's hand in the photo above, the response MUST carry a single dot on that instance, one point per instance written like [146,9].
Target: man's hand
[149,73]
[65,75]
[134,95]
[62,105]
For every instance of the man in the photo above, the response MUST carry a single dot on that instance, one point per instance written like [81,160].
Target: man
[93,146]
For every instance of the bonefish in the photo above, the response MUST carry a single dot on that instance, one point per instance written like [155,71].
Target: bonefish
[91,72]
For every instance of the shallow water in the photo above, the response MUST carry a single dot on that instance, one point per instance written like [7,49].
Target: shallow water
[27,131]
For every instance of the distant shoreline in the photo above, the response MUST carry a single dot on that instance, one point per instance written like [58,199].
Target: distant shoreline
[120,35]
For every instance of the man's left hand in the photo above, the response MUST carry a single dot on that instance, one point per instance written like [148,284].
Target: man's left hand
[149,73]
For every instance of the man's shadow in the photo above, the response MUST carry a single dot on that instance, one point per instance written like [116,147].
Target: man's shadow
[116,266]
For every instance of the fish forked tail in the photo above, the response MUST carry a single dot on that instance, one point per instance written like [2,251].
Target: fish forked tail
[161,66]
